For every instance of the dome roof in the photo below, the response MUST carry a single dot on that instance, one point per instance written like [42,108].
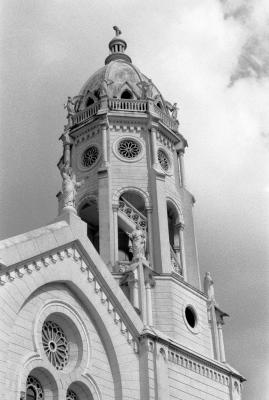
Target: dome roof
[115,78]
[119,78]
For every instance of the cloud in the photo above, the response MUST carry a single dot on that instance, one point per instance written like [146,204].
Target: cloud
[253,15]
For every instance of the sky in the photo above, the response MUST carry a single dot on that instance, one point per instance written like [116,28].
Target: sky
[212,58]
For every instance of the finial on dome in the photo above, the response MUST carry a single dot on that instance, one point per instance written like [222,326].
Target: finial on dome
[117,47]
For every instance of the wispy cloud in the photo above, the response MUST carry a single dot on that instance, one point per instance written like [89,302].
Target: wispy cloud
[253,60]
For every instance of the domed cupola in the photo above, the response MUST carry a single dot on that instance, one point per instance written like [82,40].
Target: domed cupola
[117,46]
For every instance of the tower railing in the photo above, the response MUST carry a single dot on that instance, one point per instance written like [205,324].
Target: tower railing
[128,105]
[87,113]
[125,105]
[175,263]
[133,214]
[166,119]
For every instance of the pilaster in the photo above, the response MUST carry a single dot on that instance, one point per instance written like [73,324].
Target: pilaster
[106,231]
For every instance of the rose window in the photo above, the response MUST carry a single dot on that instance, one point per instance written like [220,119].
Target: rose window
[129,148]
[163,160]
[70,395]
[34,389]
[55,344]
[90,156]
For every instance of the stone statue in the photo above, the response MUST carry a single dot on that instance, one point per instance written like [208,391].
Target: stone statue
[69,185]
[104,86]
[117,30]
[174,111]
[208,286]
[69,106]
[146,89]
[76,102]
[138,243]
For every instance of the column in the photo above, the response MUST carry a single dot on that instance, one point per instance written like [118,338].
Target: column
[180,228]
[115,208]
[221,342]
[149,303]
[104,143]
[180,155]
[150,244]
[214,330]
[142,292]
[134,288]
[154,146]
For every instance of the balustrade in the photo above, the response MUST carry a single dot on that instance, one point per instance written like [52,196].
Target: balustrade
[133,214]
[125,105]
[87,113]
[128,105]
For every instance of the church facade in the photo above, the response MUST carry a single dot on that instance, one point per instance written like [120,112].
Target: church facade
[106,302]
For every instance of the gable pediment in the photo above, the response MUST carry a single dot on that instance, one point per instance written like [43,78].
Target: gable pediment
[61,262]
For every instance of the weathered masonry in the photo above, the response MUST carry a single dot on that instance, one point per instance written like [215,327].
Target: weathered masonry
[106,303]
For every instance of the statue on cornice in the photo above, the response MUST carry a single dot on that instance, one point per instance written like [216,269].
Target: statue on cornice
[137,244]
[69,185]
[146,89]
[104,86]
[208,286]
[174,111]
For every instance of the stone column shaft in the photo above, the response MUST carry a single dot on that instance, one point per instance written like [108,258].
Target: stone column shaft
[221,343]
[149,304]
[154,146]
[180,228]
[104,143]
[116,237]
[182,168]
[150,244]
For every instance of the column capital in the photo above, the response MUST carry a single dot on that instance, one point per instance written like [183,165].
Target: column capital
[148,209]
[115,207]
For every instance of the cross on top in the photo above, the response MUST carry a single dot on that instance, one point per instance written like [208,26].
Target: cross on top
[117,30]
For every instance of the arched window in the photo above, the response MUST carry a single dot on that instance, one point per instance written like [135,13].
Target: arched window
[159,104]
[89,102]
[126,94]
[89,214]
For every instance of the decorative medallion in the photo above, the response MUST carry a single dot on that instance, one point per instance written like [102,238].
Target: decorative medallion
[34,389]
[90,156]
[129,148]
[163,160]
[70,395]
[55,344]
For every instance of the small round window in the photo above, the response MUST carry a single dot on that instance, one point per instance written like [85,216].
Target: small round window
[163,160]
[191,317]
[129,148]
[70,395]
[55,344]
[90,156]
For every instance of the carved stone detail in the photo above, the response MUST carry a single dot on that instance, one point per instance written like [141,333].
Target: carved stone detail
[199,367]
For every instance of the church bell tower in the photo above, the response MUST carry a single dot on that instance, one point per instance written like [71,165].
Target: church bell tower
[123,157]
